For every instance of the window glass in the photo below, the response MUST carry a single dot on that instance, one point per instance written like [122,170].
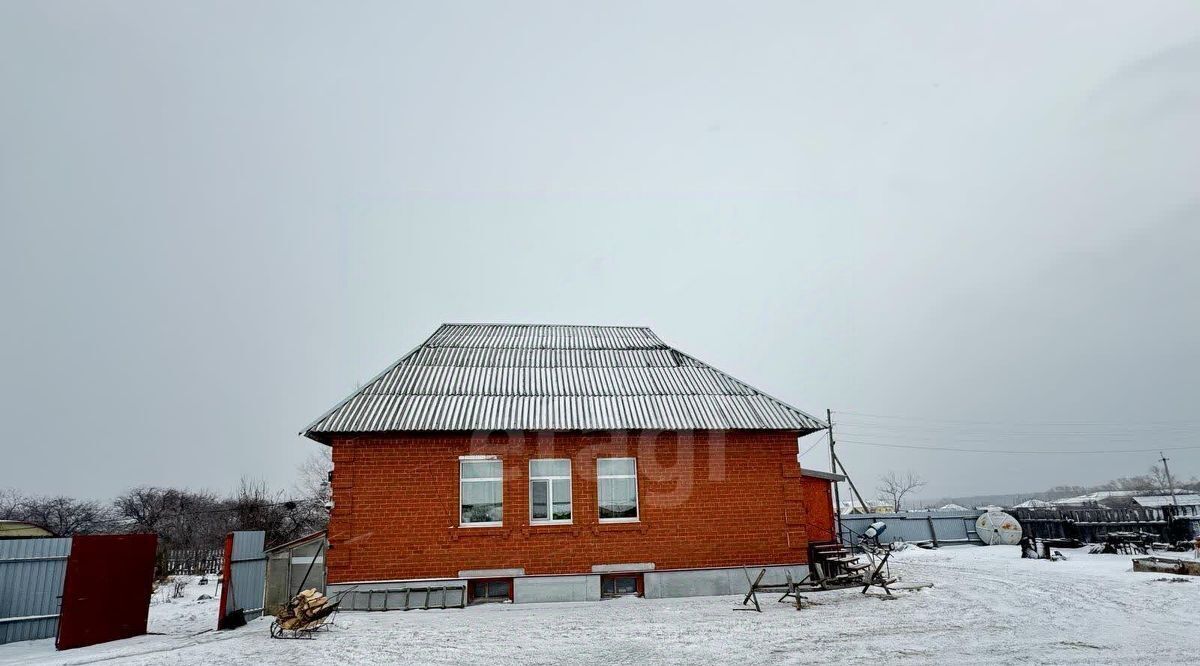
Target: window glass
[498,589]
[626,585]
[539,499]
[481,491]
[616,466]
[550,468]
[562,498]
[481,469]
[617,488]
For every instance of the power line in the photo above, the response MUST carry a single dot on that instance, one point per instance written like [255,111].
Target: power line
[1023,431]
[1178,438]
[1010,423]
[819,439]
[1011,451]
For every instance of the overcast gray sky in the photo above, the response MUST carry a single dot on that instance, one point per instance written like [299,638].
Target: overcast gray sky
[218,218]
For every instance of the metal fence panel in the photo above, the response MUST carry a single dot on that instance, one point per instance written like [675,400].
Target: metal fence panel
[31,584]
[106,597]
[248,570]
[956,528]
[941,526]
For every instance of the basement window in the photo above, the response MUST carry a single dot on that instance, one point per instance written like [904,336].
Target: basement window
[491,591]
[549,491]
[620,585]
[617,489]
[481,492]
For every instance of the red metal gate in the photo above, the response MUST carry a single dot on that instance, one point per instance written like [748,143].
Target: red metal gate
[106,595]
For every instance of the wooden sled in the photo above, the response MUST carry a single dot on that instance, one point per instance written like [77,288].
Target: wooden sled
[306,613]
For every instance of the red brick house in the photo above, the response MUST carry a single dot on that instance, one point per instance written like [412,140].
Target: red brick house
[565,463]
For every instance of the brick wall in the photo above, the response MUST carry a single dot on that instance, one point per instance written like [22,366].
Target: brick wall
[707,499]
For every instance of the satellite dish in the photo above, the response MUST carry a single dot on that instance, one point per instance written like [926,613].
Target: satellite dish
[998,528]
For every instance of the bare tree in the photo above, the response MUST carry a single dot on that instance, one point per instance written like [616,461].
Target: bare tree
[66,516]
[182,519]
[1158,476]
[894,487]
[313,476]
[10,504]
[257,507]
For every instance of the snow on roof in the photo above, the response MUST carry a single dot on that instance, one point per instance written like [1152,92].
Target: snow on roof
[1034,504]
[953,507]
[538,377]
[1188,499]
[1097,496]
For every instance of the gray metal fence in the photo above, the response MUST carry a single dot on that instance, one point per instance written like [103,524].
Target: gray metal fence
[32,572]
[939,527]
[248,570]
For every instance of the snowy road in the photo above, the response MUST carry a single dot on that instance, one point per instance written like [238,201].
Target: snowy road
[987,606]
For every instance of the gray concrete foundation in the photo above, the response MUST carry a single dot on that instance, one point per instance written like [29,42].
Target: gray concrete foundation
[714,582]
[556,588]
[583,587]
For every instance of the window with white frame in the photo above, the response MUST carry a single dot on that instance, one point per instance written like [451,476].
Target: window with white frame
[481,491]
[550,491]
[617,489]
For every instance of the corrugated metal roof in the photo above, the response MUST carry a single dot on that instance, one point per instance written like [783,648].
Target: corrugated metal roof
[1189,499]
[536,377]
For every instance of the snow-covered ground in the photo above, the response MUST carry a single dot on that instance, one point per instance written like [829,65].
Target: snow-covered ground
[987,606]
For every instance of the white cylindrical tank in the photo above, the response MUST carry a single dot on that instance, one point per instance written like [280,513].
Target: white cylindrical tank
[998,528]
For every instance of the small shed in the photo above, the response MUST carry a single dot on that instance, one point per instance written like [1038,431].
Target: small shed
[19,529]
[294,566]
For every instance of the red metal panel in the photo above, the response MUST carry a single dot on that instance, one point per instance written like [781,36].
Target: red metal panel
[226,582]
[106,595]
[819,504]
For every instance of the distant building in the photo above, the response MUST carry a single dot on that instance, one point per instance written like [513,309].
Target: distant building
[953,507]
[878,506]
[1113,499]
[1034,504]
[1180,499]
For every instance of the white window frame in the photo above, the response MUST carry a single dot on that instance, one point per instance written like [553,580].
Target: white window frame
[637,501]
[461,481]
[550,520]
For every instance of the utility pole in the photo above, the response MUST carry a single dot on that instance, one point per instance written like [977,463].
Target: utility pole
[837,495]
[836,462]
[1170,483]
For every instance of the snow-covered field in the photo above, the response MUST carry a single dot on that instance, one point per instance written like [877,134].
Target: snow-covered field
[987,606]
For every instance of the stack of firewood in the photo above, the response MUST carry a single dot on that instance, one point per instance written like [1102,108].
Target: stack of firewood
[305,611]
